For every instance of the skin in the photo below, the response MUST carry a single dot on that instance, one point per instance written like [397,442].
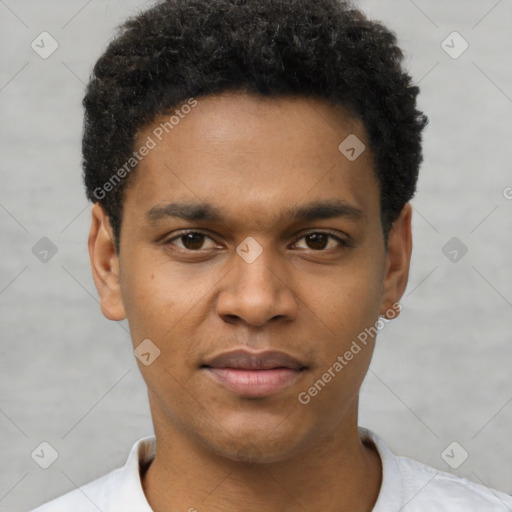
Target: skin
[253,158]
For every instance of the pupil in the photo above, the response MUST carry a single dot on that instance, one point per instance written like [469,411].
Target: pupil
[190,237]
[315,237]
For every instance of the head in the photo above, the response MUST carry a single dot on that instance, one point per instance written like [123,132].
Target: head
[251,164]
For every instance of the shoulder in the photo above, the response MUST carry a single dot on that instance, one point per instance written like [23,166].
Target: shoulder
[427,488]
[416,487]
[119,490]
[88,498]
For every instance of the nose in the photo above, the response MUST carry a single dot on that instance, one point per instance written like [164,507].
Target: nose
[256,292]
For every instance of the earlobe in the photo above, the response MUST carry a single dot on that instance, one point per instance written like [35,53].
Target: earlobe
[397,263]
[105,265]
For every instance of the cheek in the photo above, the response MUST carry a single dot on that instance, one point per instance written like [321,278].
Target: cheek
[348,304]
[345,299]
[343,351]
[165,301]
[151,296]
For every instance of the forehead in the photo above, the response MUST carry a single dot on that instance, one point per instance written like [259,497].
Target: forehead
[236,149]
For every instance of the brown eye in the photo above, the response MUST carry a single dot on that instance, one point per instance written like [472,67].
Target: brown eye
[318,241]
[191,241]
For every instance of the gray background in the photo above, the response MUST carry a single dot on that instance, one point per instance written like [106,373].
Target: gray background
[441,372]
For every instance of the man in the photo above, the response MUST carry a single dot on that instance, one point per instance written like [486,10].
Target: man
[251,165]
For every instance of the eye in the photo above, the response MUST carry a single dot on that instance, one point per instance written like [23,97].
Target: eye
[318,240]
[194,240]
[191,240]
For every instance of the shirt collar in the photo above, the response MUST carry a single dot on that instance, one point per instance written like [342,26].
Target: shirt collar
[129,494]
[391,487]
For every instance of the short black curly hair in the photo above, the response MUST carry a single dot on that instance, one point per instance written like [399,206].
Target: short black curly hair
[181,49]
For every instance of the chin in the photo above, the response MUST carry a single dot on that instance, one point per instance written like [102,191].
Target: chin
[251,446]
[252,453]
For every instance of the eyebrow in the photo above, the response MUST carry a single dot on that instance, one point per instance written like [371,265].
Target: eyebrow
[315,210]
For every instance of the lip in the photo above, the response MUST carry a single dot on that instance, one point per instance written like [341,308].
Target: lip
[254,374]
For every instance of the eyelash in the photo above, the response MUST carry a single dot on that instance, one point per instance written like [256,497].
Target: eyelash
[342,243]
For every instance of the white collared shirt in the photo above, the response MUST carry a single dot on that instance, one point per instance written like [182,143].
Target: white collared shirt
[407,486]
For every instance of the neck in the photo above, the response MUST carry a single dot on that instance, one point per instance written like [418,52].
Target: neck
[337,472]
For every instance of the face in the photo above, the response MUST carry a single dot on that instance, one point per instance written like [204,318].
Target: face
[252,256]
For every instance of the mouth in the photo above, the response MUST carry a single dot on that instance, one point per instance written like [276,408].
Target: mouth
[254,374]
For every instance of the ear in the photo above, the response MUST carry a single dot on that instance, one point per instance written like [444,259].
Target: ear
[105,264]
[398,261]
